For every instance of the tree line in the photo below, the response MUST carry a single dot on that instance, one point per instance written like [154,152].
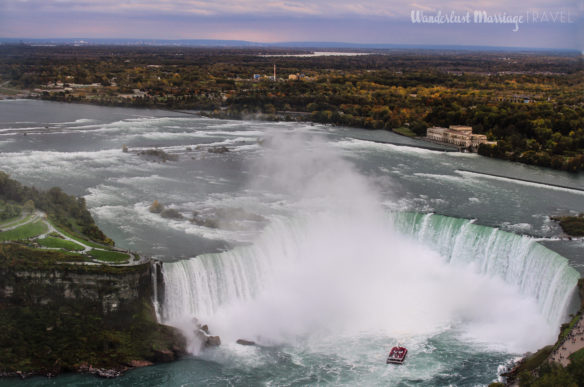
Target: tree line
[532,104]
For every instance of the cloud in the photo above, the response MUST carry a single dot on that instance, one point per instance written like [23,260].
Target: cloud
[322,8]
[366,21]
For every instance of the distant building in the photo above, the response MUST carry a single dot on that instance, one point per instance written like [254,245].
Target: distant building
[292,77]
[458,135]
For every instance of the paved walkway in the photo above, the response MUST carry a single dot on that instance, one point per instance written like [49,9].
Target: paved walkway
[573,343]
[29,218]
[20,221]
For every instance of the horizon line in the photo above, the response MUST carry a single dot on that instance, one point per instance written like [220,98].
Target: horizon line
[235,43]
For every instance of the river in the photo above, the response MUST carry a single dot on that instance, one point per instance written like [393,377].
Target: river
[324,245]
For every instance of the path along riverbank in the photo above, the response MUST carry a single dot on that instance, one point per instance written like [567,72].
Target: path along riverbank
[573,343]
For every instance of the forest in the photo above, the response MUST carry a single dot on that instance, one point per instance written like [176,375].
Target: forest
[531,103]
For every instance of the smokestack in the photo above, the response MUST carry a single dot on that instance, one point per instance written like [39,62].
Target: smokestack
[274,71]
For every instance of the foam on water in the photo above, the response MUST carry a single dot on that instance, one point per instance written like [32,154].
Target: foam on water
[336,266]
[364,144]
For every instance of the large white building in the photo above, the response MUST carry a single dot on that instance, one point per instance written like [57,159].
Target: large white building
[458,135]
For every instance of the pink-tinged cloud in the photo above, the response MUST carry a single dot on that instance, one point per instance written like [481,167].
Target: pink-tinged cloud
[324,8]
[366,21]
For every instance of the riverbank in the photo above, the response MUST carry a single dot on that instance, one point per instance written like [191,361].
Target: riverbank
[557,364]
[69,301]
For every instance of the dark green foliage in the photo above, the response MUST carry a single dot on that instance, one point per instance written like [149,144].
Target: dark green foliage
[53,339]
[9,211]
[14,256]
[67,211]
[532,104]
[532,362]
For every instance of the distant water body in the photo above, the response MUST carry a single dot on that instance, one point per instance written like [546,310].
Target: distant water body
[318,53]
[325,245]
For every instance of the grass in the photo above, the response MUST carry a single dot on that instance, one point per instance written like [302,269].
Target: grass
[535,360]
[109,256]
[566,329]
[577,356]
[7,222]
[81,240]
[60,243]
[24,232]
[16,220]
[404,131]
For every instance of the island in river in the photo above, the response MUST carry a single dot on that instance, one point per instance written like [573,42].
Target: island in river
[69,300]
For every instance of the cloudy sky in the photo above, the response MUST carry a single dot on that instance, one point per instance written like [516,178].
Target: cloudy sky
[538,23]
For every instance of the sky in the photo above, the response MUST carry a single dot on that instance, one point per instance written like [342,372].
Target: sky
[521,23]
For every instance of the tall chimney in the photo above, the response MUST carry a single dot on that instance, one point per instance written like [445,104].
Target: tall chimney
[274,71]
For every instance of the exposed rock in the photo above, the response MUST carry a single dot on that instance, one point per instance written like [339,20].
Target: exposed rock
[202,332]
[124,148]
[213,341]
[218,149]
[226,218]
[156,207]
[245,342]
[140,363]
[159,154]
[106,373]
[164,356]
[199,220]
[170,213]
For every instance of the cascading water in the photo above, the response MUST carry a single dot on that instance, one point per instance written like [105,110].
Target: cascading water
[334,269]
[522,262]
[317,275]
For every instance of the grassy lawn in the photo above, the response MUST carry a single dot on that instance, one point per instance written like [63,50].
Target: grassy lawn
[109,256]
[15,221]
[81,240]
[404,131]
[59,243]
[7,222]
[24,232]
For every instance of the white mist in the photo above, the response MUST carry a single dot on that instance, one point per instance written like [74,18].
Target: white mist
[335,266]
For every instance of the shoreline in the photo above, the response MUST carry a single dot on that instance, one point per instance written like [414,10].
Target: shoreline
[557,353]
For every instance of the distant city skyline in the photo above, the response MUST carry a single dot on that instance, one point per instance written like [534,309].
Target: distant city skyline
[537,23]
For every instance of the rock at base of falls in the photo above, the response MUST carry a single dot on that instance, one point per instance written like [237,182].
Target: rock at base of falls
[202,333]
[245,342]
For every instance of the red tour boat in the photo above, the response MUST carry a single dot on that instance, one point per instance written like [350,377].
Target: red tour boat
[397,355]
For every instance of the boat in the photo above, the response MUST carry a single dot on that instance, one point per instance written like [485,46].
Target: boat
[397,355]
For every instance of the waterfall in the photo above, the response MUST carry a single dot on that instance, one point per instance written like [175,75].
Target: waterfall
[519,260]
[448,270]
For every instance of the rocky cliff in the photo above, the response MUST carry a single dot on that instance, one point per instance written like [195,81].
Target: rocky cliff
[79,317]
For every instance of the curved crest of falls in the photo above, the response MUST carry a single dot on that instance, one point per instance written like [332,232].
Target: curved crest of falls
[339,253]
[409,276]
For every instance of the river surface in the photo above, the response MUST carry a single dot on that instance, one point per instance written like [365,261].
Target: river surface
[324,245]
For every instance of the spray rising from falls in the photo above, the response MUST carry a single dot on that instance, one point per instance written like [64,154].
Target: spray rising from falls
[520,261]
[337,264]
